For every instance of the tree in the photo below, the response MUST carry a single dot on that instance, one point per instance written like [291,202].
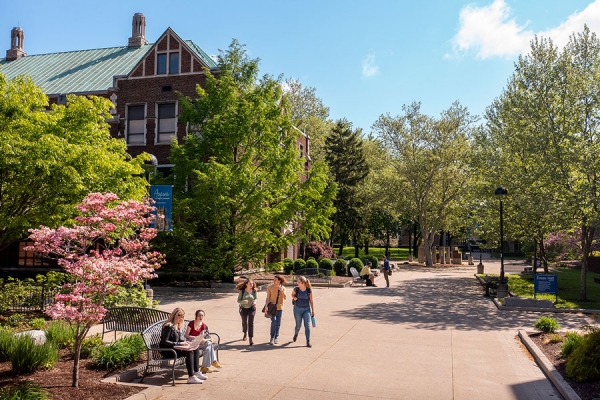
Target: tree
[348,167]
[50,159]
[546,123]
[241,187]
[106,247]
[431,167]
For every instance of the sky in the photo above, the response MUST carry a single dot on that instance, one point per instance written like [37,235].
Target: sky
[364,58]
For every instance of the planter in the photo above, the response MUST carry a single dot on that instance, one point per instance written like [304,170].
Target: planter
[502,290]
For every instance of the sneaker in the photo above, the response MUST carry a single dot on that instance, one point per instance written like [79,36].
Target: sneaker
[201,376]
[194,379]
[275,341]
[216,364]
[205,370]
[308,343]
[295,337]
[271,341]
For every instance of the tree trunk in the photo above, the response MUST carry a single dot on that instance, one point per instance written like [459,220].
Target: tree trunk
[428,244]
[356,248]
[367,246]
[543,256]
[535,253]
[387,246]
[341,247]
[587,235]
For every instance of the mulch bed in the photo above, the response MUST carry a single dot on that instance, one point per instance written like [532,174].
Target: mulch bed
[59,379]
[585,390]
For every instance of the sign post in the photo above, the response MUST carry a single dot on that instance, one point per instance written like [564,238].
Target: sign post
[545,283]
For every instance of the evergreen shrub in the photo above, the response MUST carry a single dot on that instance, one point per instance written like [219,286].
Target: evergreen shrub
[572,341]
[583,364]
[340,267]
[312,263]
[325,263]
[546,325]
[299,264]
[356,263]
[288,265]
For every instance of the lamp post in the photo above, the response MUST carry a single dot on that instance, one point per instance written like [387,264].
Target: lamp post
[500,192]
[150,167]
[410,257]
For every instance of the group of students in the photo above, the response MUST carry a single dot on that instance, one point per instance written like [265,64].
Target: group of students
[176,337]
[302,300]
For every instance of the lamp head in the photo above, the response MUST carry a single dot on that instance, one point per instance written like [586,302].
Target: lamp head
[500,191]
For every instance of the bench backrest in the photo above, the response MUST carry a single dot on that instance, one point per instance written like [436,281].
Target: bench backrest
[151,336]
[132,319]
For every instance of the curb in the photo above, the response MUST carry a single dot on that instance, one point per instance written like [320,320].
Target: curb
[557,380]
[126,378]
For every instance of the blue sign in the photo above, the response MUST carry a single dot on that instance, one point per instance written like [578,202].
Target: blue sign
[545,283]
[163,201]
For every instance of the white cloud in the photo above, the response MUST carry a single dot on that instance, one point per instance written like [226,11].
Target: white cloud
[369,66]
[491,31]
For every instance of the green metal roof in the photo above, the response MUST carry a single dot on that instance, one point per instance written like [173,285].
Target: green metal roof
[83,71]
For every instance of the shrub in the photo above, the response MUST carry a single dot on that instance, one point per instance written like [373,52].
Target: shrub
[119,354]
[27,357]
[129,295]
[288,265]
[572,340]
[299,264]
[318,250]
[325,263]
[312,263]
[37,323]
[584,362]
[60,333]
[7,339]
[24,391]
[90,345]
[340,267]
[15,319]
[275,267]
[374,260]
[546,325]
[356,263]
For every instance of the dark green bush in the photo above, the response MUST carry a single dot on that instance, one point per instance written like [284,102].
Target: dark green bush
[546,325]
[90,345]
[341,268]
[27,357]
[572,341]
[311,263]
[60,333]
[24,391]
[583,364]
[7,340]
[325,263]
[275,267]
[288,265]
[299,264]
[120,353]
[356,263]
[374,260]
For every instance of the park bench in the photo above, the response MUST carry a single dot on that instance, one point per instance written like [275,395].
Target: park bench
[491,285]
[156,360]
[356,278]
[315,274]
[130,319]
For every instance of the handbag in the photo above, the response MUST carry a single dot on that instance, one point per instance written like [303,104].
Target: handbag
[270,309]
[390,271]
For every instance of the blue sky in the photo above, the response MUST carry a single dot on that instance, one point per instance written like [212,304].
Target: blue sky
[364,58]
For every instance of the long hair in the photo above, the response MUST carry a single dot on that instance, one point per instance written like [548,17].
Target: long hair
[171,320]
[243,283]
[305,280]
[281,279]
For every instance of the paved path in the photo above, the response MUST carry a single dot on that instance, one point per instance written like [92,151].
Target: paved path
[432,335]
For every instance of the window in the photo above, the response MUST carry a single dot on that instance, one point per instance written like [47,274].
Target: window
[167,122]
[136,124]
[174,63]
[161,64]
[30,258]
[301,151]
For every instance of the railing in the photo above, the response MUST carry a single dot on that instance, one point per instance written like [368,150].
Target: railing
[35,299]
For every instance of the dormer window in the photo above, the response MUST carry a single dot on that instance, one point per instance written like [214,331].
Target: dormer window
[170,60]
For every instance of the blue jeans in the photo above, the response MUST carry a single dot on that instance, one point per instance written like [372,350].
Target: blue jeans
[275,324]
[302,314]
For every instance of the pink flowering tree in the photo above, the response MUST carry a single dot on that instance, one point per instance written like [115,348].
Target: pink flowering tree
[107,246]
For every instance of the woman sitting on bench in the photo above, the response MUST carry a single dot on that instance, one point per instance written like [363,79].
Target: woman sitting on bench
[195,328]
[172,335]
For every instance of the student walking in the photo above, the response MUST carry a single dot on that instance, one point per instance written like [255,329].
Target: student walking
[304,307]
[247,301]
[276,295]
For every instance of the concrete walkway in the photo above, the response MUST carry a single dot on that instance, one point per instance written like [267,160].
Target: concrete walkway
[432,335]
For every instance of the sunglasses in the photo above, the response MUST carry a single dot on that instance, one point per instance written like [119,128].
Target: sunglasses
[180,315]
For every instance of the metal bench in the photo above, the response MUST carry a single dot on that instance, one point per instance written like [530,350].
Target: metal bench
[131,319]
[356,278]
[156,360]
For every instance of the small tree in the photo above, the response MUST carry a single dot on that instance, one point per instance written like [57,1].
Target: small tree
[106,247]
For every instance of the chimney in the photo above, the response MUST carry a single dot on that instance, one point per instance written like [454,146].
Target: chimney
[138,31]
[16,45]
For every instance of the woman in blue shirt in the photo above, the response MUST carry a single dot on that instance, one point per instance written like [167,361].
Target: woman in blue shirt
[304,307]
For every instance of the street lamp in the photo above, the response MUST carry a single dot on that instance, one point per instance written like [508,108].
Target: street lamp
[500,192]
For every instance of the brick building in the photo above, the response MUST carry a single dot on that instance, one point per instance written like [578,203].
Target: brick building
[141,79]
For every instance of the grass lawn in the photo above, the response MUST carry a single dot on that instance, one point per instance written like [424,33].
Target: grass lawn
[568,289]
[395,253]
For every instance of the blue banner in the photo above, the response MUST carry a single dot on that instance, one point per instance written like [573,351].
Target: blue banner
[163,201]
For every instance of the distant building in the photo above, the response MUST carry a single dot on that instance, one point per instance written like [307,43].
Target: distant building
[141,79]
